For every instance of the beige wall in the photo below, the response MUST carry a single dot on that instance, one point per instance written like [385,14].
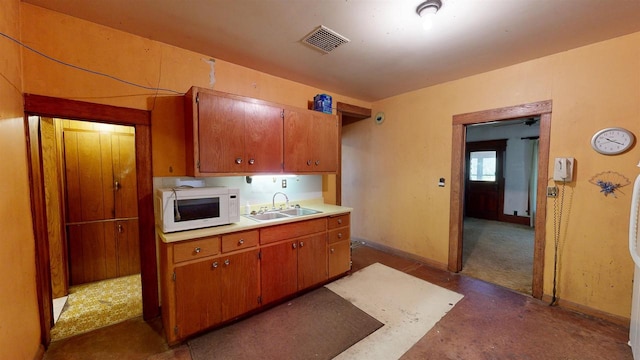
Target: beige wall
[390,171]
[19,323]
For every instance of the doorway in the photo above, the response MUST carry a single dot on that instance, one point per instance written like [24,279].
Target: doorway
[458,173]
[36,106]
[100,217]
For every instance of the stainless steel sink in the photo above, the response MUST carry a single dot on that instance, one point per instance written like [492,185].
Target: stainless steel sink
[299,212]
[267,216]
[281,214]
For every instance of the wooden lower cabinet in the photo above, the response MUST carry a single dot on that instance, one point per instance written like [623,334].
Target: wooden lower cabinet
[208,281]
[339,244]
[215,290]
[293,265]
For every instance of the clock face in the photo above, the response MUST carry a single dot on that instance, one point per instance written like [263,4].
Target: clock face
[612,141]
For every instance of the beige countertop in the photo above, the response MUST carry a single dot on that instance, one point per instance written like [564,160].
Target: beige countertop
[249,224]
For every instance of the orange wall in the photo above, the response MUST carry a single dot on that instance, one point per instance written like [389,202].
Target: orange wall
[592,87]
[19,322]
[396,203]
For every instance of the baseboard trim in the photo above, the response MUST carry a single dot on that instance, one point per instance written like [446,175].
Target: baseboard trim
[585,310]
[404,254]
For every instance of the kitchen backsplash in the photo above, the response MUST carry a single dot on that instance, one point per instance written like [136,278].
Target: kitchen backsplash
[259,191]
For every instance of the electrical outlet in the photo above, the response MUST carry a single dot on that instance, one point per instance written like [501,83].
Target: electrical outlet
[284,183]
[552,191]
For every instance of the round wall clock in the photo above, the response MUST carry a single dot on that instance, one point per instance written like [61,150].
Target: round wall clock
[612,141]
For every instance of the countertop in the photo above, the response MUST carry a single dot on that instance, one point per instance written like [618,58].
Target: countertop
[249,224]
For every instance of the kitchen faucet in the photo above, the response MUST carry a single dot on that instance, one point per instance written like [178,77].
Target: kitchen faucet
[273,201]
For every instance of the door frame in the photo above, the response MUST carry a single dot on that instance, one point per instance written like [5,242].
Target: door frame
[458,149]
[38,105]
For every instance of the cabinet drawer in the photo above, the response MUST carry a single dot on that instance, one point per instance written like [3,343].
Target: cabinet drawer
[292,230]
[340,234]
[240,240]
[339,221]
[196,249]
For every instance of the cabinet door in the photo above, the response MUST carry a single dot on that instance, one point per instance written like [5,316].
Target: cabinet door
[312,260]
[89,176]
[123,151]
[198,295]
[339,257]
[298,142]
[127,247]
[278,271]
[240,284]
[237,136]
[221,128]
[310,141]
[92,252]
[325,133]
[263,138]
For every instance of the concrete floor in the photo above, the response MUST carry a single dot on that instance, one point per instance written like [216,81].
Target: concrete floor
[490,322]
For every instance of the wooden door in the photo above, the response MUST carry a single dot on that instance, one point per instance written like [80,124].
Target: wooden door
[312,260]
[240,284]
[221,128]
[339,257]
[263,138]
[325,133]
[198,305]
[278,271]
[484,194]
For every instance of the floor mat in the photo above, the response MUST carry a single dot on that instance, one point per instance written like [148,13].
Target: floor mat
[317,325]
[409,307]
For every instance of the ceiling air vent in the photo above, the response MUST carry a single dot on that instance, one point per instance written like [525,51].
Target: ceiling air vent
[324,39]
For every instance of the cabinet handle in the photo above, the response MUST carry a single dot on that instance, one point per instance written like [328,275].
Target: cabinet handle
[120,228]
[317,162]
[252,161]
[339,235]
[339,221]
[215,264]
[294,245]
[227,262]
[238,161]
[309,162]
[197,250]
[333,250]
[241,241]
[117,185]
[301,243]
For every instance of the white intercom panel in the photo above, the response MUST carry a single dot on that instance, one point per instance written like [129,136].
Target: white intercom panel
[563,169]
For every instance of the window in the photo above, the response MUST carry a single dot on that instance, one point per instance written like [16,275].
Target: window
[482,166]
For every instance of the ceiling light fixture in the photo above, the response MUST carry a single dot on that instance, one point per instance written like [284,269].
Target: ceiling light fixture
[427,11]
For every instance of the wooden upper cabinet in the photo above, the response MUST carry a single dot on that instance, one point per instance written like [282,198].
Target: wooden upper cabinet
[310,141]
[228,134]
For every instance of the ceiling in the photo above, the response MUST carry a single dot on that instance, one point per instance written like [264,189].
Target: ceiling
[388,53]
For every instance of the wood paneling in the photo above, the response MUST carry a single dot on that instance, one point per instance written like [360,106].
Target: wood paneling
[54,209]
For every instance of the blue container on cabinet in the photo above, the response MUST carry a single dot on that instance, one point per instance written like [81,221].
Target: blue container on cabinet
[322,102]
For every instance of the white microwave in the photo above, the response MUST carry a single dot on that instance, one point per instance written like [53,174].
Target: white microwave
[178,209]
